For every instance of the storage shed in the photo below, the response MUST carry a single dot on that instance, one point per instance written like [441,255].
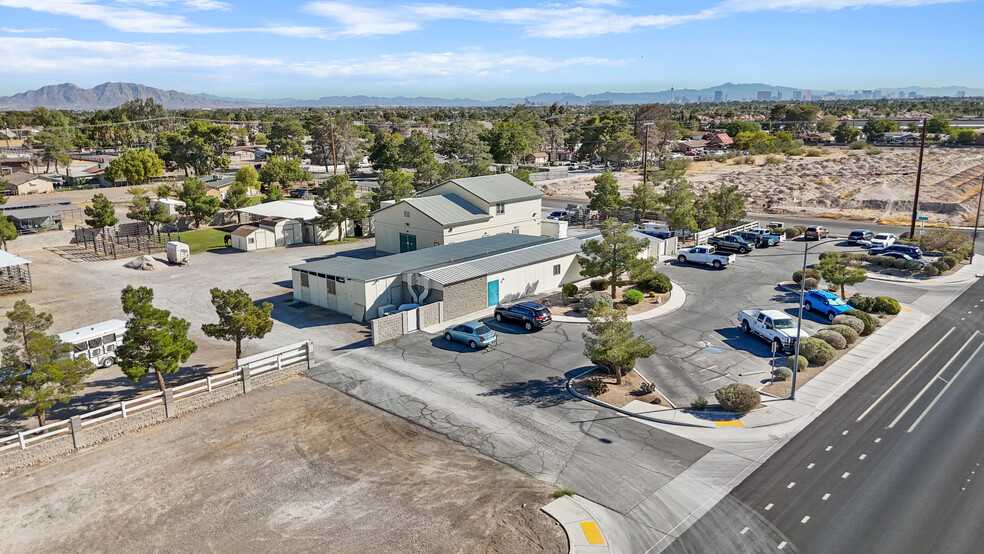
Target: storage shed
[248,237]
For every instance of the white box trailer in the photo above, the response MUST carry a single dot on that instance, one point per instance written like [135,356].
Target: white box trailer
[178,252]
[97,342]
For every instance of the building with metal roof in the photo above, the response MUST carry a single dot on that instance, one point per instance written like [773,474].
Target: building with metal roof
[458,210]
[36,216]
[15,274]
[466,276]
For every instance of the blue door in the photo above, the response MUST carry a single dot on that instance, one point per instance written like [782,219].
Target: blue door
[494,293]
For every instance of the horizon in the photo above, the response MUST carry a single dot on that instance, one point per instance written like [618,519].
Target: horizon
[311,49]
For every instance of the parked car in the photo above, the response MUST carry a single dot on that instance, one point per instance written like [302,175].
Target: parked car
[759,240]
[912,251]
[781,237]
[860,236]
[561,215]
[824,302]
[773,326]
[883,240]
[705,255]
[901,256]
[731,242]
[816,232]
[299,193]
[529,314]
[472,333]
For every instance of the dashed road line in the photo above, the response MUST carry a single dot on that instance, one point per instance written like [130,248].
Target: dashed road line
[809,466]
[743,531]
[845,432]
[769,507]
[805,519]
[829,448]
[826,496]
[862,456]
[791,484]
[878,439]
[846,473]
[781,545]
[930,383]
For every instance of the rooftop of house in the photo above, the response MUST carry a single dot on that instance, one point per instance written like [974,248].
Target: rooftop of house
[497,188]
[447,210]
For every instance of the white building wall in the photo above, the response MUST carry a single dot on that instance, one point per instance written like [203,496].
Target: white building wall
[519,217]
[391,222]
[535,278]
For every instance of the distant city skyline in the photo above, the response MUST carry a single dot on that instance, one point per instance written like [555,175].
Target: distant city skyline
[310,49]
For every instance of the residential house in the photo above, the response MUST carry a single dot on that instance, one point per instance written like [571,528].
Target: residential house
[718,141]
[537,158]
[816,139]
[458,210]
[695,146]
[14,165]
[29,183]
[217,186]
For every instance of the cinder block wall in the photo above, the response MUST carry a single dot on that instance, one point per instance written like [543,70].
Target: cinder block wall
[386,328]
[466,297]
[430,314]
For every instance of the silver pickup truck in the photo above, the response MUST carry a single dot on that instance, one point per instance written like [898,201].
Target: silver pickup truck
[773,326]
[705,255]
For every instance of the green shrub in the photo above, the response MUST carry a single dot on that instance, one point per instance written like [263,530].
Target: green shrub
[833,338]
[887,305]
[899,263]
[569,290]
[699,403]
[597,299]
[816,350]
[563,492]
[872,150]
[802,364]
[849,321]
[951,261]
[774,160]
[861,302]
[849,334]
[737,397]
[596,386]
[791,233]
[857,145]
[782,373]
[599,284]
[633,296]
[813,152]
[811,273]
[912,266]
[647,388]
[931,270]
[810,283]
[658,282]
[941,265]
[869,322]
[801,229]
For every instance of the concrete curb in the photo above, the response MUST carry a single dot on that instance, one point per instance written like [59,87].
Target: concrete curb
[584,535]
[676,301]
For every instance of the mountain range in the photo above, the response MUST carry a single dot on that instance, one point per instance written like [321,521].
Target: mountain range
[68,96]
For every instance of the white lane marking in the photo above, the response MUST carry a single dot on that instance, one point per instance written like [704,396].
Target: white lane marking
[846,473]
[805,519]
[829,448]
[904,375]
[791,484]
[933,380]
[769,507]
[878,439]
[862,456]
[743,531]
[781,545]
[809,466]
[952,379]
[962,318]
[845,432]
[826,496]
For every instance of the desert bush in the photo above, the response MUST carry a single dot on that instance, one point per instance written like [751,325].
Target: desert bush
[774,160]
[598,284]
[912,265]
[813,152]
[861,302]
[869,322]
[810,283]
[782,373]
[801,229]
[887,305]
[569,290]
[633,296]
[849,334]
[872,150]
[811,273]
[802,364]
[647,388]
[737,397]
[899,263]
[941,265]
[563,492]
[791,233]
[849,321]
[946,241]
[658,282]
[699,403]
[951,261]
[816,350]
[597,299]
[931,270]
[857,145]
[596,385]
[833,338]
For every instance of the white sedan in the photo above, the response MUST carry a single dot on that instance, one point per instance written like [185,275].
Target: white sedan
[882,240]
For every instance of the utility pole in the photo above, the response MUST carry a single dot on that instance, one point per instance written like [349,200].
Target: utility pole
[645,156]
[973,244]
[334,153]
[915,201]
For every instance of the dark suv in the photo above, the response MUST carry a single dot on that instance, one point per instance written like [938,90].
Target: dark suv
[913,252]
[530,314]
[859,235]
[816,232]
[731,242]
[759,240]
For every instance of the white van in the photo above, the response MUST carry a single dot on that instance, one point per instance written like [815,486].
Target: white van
[97,342]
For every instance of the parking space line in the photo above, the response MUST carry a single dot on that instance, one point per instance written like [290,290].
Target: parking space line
[743,531]
[846,474]
[805,519]
[781,545]
[810,466]
[769,507]
[791,484]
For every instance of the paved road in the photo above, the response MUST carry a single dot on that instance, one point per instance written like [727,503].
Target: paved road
[893,466]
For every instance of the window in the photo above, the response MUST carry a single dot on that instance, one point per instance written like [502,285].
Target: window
[250,240]
[406,213]
[500,208]
[557,269]
[331,286]
[304,280]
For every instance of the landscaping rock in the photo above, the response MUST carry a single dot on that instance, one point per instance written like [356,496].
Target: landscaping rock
[143,263]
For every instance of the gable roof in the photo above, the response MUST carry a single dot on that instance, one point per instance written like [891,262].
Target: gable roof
[245,230]
[497,188]
[219,183]
[21,178]
[497,263]
[447,210]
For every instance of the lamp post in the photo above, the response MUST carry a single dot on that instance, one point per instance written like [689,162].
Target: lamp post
[799,318]
[645,154]
[973,244]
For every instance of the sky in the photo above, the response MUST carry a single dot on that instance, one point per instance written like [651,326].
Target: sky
[266,49]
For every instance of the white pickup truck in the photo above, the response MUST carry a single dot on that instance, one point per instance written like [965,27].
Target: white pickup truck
[705,255]
[773,326]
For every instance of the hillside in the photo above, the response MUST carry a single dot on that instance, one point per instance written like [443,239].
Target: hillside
[67,96]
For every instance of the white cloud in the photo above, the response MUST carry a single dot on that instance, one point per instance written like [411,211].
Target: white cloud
[362,21]
[18,31]
[122,19]
[193,4]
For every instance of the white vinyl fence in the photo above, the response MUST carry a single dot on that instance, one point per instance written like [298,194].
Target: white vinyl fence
[246,369]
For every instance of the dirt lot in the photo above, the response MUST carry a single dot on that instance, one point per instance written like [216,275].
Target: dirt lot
[292,467]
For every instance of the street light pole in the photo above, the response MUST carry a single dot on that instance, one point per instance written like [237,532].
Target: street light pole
[973,244]
[799,318]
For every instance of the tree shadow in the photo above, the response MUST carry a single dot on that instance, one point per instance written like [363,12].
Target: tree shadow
[542,393]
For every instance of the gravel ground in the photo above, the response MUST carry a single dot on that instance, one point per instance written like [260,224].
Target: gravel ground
[292,467]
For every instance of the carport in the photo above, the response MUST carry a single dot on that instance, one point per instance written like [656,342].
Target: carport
[15,274]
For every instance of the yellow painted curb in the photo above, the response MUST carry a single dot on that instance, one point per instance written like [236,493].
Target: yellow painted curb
[905,309]
[732,423]
[592,532]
